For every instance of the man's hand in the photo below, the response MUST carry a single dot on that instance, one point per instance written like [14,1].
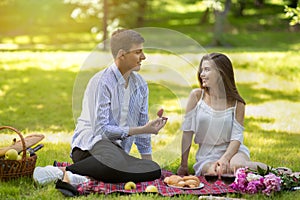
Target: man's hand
[154,126]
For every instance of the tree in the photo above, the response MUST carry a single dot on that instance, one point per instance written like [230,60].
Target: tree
[241,6]
[220,19]
[293,14]
[104,22]
[142,8]
[293,3]
[259,3]
[110,14]
[35,17]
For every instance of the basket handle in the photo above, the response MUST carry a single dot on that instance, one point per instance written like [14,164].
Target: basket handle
[21,137]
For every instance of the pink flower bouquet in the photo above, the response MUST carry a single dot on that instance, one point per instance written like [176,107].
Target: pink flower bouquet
[251,182]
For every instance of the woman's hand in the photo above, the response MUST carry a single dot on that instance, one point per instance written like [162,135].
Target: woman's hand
[222,166]
[183,171]
[212,170]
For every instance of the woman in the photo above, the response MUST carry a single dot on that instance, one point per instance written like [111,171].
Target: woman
[215,114]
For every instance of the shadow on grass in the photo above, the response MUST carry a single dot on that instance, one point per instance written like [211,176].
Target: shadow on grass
[264,144]
[260,95]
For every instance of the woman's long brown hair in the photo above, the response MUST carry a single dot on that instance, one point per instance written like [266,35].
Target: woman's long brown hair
[224,66]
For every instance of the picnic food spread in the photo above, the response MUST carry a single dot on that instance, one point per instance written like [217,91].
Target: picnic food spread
[185,181]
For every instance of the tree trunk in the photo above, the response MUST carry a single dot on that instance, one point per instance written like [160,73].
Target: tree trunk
[142,7]
[242,5]
[204,18]
[259,3]
[220,19]
[104,24]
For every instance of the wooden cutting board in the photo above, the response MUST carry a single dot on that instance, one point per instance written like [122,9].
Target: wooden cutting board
[30,140]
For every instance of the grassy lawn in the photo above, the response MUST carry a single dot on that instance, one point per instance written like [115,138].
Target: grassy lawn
[36,90]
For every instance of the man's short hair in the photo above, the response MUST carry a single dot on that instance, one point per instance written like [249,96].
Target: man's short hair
[124,39]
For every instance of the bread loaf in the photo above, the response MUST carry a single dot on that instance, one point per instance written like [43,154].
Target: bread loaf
[186,181]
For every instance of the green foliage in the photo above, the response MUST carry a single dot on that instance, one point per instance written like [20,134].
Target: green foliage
[34,24]
[293,14]
[289,181]
[33,17]
[117,13]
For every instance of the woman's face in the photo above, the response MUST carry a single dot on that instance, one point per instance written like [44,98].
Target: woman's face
[209,75]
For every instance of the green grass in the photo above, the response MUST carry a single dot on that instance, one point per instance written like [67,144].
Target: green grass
[36,89]
[36,97]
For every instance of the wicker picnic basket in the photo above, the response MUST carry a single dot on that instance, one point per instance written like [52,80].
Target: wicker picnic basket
[12,169]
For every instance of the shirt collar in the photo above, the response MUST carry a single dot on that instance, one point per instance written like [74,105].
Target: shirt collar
[116,71]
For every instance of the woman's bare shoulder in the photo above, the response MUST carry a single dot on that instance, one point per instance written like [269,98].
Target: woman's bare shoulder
[197,92]
[194,97]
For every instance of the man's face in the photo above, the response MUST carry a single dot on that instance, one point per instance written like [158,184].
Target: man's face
[134,57]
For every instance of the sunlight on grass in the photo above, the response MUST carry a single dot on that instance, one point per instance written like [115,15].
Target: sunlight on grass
[46,61]
[250,11]
[185,8]
[22,39]
[267,145]
[281,64]
[285,115]
[50,137]
[278,2]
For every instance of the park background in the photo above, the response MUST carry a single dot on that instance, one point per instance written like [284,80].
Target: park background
[44,43]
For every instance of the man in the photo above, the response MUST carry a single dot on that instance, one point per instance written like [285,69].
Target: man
[114,115]
[106,103]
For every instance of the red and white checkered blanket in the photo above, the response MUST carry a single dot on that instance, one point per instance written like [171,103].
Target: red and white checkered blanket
[106,188]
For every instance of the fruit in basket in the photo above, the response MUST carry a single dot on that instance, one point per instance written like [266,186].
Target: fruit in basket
[19,157]
[11,154]
[27,154]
